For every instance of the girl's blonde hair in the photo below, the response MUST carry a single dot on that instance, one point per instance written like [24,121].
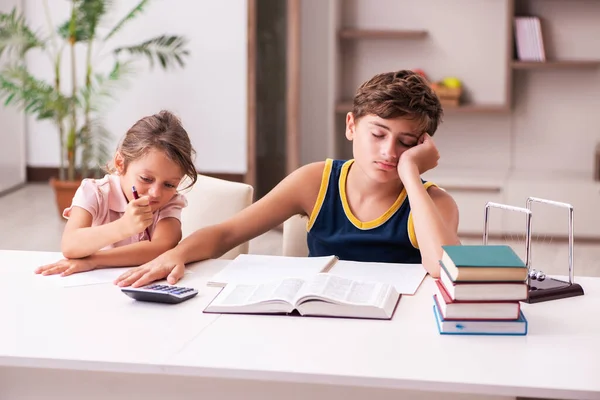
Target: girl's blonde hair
[163,132]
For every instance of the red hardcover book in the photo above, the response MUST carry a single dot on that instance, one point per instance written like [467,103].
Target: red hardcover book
[474,310]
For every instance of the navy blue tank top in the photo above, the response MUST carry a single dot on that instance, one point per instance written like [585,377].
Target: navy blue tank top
[334,230]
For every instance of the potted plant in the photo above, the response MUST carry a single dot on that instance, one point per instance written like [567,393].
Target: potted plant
[76,114]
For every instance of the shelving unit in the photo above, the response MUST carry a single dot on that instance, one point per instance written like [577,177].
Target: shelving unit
[556,64]
[522,133]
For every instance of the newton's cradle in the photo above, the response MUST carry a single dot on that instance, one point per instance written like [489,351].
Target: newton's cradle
[541,287]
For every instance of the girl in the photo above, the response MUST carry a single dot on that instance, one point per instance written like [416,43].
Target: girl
[372,208]
[107,225]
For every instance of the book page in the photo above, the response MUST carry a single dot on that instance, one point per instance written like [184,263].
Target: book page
[256,269]
[343,290]
[243,294]
[406,278]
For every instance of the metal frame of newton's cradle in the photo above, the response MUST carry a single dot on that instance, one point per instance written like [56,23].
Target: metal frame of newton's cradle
[541,287]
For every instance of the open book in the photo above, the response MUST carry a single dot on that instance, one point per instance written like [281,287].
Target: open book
[254,269]
[322,295]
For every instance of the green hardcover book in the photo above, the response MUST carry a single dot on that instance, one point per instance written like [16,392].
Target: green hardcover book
[483,263]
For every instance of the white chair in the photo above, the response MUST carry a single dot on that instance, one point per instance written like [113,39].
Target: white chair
[294,237]
[211,201]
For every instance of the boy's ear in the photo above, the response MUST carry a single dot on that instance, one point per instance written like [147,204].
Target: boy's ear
[119,163]
[350,126]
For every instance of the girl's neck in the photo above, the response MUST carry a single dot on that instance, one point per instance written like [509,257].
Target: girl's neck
[366,187]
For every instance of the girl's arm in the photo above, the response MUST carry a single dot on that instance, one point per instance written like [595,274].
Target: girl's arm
[296,194]
[166,235]
[80,239]
[435,218]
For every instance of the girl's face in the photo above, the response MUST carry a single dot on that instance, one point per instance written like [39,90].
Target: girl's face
[153,175]
[378,144]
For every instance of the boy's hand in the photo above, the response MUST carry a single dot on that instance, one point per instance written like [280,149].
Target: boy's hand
[138,216]
[66,267]
[167,265]
[424,156]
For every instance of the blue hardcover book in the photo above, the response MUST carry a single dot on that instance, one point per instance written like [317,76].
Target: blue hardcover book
[480,327]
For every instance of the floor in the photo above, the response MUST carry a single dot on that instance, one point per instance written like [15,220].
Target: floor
[30,221]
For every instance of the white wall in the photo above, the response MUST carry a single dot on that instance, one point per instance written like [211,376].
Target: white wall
[209,94]
[12,135]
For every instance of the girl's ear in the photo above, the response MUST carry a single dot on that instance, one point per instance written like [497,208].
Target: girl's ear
[119,163]
[350,126]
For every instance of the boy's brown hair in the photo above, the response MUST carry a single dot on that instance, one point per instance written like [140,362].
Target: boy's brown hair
[163,132]
[399,94]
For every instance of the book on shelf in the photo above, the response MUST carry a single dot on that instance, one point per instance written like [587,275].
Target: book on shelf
[473,310]
[483,263]
[323,295]
[517,326]
[483,291]
[529,40]
[256,268]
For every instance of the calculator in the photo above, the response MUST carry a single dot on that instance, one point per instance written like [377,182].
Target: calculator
[160,293]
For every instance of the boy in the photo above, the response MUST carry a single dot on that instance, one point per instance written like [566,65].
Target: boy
[372,208]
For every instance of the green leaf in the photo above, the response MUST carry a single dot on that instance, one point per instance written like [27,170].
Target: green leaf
[15,36]
[167,50]
[130,16]
[87,14]
[104,87]
[95,141]
[32,95]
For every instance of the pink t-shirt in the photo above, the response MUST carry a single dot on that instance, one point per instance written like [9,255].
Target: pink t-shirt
[104,199]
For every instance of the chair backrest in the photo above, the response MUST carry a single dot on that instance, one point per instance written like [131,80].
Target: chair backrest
[211,201]
[294,237]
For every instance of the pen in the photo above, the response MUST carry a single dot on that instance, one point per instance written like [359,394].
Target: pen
[137,196]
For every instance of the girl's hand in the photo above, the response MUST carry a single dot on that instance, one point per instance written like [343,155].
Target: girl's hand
[138,216]
[66,267]
[167,265]
[424,156]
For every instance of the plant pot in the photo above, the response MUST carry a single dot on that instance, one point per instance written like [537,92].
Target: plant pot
[64,192]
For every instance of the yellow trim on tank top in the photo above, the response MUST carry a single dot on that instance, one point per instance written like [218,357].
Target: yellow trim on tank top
[355,221]
[321,196]
[411,226]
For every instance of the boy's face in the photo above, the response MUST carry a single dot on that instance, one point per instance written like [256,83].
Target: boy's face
[378,143]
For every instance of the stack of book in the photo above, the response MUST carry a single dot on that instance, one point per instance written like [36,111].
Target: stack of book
[479,291]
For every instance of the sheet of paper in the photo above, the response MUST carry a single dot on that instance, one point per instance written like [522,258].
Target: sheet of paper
[255,269]
[95,277]
[406,278]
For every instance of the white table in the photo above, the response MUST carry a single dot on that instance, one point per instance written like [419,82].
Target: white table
[94,342]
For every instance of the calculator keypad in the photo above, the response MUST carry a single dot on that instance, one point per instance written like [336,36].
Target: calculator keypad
[179,290]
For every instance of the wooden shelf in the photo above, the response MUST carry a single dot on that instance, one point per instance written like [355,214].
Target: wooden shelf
[556,64]
[381,34]
[343,107]
[477,109]
[346,106]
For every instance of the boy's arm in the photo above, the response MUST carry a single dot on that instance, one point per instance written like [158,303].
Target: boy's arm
[296,194]
[435,218]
